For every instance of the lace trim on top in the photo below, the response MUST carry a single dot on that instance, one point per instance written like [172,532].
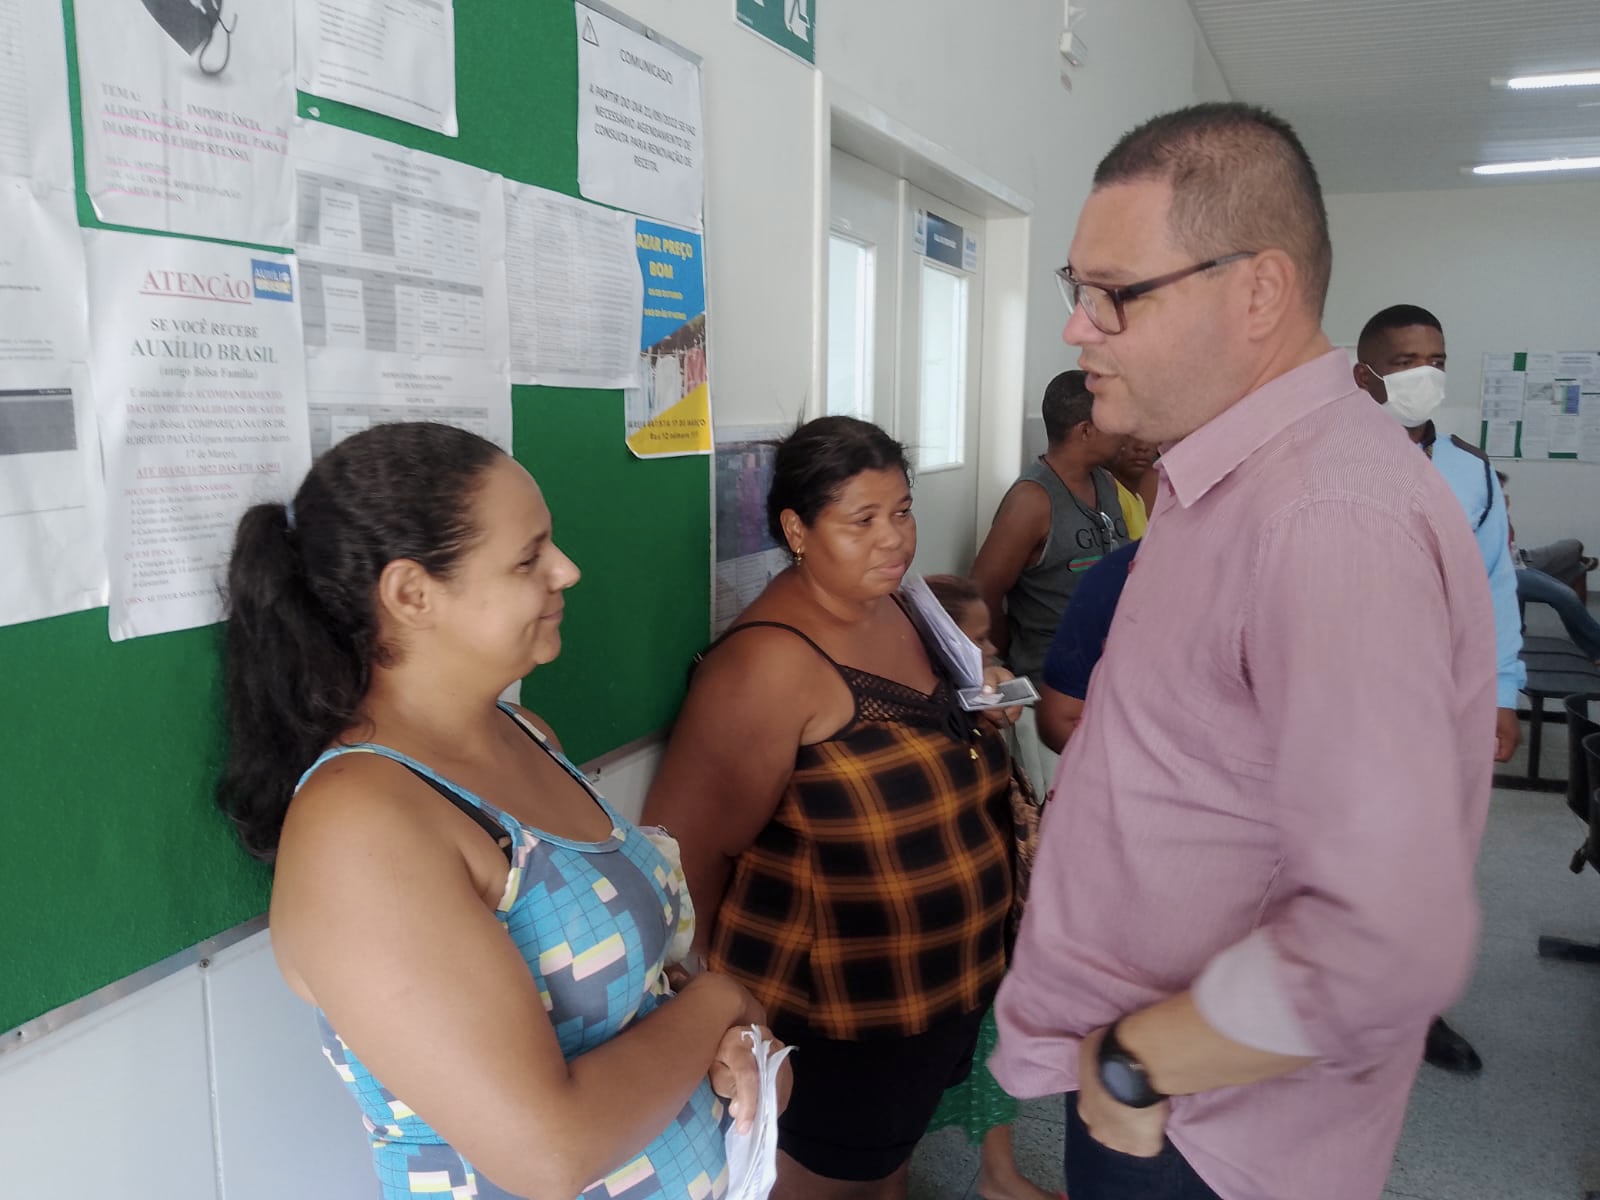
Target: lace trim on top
[882,699]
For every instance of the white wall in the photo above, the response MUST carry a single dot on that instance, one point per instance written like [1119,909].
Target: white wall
[210,1084]
[983,81]
[1503,267]
[979,80]
[207,1083]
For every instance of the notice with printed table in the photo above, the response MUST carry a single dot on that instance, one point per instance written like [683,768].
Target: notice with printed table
[395,57]
[1577,392]
[576,293]
[402,260]
[1538,416]
[200,388]
[641,142]
[186,114]
[1503,396]
[51,496]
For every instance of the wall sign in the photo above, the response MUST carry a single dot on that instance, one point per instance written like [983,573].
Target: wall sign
[788,24]
[943,241]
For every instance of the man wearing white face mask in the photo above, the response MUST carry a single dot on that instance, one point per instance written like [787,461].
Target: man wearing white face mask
[1401,365]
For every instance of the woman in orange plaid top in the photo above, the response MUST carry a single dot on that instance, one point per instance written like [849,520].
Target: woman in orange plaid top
[846,827]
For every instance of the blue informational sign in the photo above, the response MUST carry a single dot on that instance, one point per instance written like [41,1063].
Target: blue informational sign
[670,412]
[674,279]
[273,281]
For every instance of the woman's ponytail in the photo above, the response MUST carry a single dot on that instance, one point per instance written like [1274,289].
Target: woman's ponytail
[302,632]
[292,686]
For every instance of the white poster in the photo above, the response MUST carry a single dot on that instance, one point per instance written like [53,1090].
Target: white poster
[1538,417]
[51,497]
[1582,365]
[576,292]
[1589,423]
[348,391]
[200,387]
[1566,432]
[186,113]
[640,135]
[1501,441]
[747,558]
[1503,393]
[35,121]
[402,257]
[396,57]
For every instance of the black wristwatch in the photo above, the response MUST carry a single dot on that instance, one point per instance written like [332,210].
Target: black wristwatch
[1123,1075]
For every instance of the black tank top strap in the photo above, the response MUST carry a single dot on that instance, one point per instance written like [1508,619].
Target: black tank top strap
[846,675]
[485,822]
[877,697]
[844,672]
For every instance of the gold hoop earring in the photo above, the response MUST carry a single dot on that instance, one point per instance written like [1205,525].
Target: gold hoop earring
[799,556]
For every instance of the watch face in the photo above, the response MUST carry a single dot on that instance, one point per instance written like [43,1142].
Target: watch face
[1126,1084]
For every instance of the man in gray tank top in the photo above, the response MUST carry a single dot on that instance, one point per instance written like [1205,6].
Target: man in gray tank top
[1060,518]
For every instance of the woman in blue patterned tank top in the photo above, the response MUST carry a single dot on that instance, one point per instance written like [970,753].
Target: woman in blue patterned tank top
[484,939]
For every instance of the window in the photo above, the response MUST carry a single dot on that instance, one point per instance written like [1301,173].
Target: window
[941,439]
[850,312]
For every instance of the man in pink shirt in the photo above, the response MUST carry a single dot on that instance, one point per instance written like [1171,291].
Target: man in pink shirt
[1255,888]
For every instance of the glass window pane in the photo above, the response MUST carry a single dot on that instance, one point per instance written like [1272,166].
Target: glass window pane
[850,295]
[943,408]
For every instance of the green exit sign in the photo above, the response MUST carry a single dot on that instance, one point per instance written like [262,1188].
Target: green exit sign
[788,24]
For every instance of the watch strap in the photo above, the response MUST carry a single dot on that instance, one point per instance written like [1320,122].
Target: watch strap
[1112,1049]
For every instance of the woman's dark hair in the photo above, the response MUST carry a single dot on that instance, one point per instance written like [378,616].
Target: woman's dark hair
[815,461]
[302,631]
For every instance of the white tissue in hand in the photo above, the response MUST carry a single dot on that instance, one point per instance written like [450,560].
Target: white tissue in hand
[753,1156]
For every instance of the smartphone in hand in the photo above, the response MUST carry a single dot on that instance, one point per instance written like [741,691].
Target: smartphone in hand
[1005,695]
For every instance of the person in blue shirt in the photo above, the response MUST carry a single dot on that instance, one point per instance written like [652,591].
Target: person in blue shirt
[1402,357]
[1401,364]
[1079,641]
[1544,587]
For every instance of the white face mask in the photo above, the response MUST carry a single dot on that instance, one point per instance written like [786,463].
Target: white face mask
[1414,394]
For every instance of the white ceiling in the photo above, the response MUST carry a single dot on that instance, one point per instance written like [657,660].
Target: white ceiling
[1394,95]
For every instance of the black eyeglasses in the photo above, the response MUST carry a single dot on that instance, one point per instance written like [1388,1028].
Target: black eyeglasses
[1104,305]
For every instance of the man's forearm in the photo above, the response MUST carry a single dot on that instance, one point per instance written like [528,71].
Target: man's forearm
[1058,716]
[1184,1054]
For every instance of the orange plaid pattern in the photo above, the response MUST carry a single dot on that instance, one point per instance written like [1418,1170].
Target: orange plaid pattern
[874,902]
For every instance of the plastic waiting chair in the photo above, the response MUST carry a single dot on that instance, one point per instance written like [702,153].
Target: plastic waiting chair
[1589,852]
[1552,675]
[1581,782]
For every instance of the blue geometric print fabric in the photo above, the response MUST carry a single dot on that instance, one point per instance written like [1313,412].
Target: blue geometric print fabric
[592,920]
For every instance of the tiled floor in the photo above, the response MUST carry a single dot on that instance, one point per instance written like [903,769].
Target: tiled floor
[1528,1127]
[946,1167]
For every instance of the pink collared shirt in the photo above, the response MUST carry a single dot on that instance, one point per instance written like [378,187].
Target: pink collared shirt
[1277,791]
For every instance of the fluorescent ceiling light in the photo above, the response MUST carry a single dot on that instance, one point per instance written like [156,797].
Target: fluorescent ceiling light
[1546,164]
[1557,80]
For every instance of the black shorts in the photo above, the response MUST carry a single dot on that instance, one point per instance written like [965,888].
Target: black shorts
[859,1108]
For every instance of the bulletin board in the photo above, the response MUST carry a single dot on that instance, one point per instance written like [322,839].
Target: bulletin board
[1541,405]
[115,856]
